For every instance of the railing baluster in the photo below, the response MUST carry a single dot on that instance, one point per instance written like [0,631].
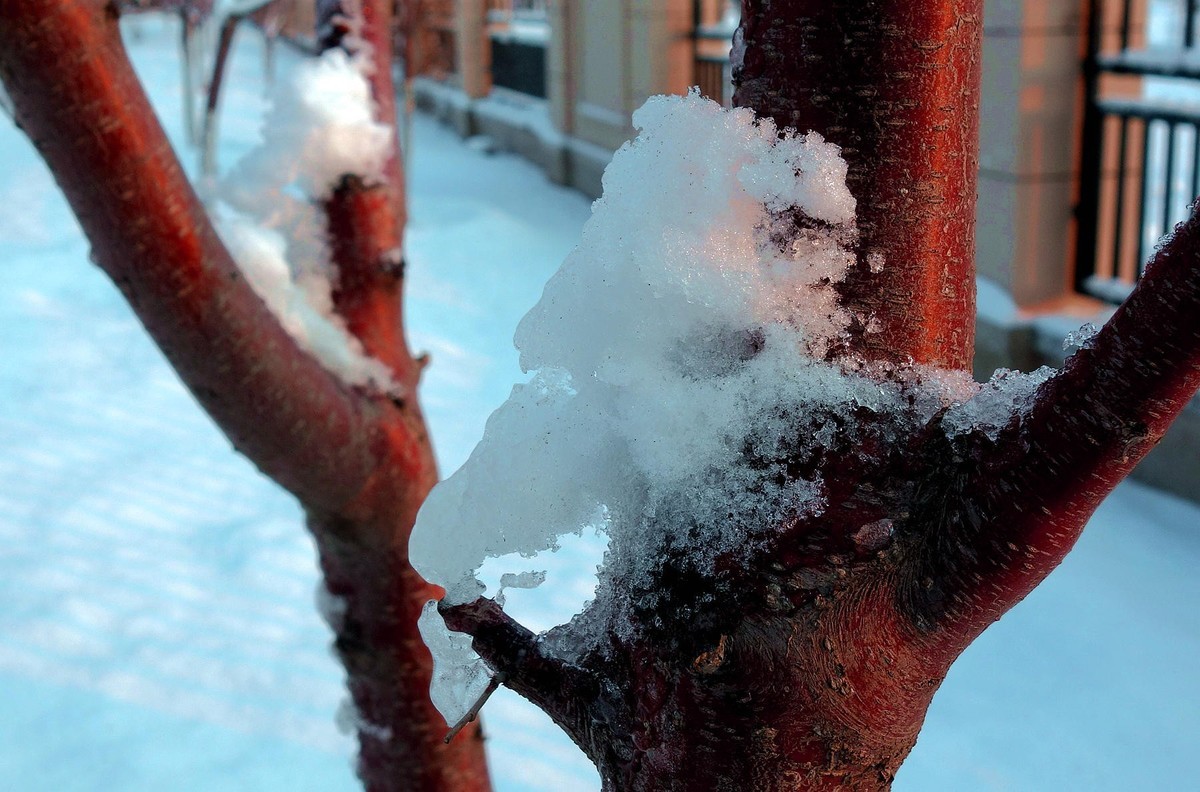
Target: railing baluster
[1195,163]
[1119,212]
[1147,128]
[1168,216]
[1125,19]
[710,51]
[1091,155]
[1146,119]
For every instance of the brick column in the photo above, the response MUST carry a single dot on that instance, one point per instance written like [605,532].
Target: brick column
[473,50]
[1030,116]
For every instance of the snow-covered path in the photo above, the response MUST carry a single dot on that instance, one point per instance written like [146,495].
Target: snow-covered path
[157,626]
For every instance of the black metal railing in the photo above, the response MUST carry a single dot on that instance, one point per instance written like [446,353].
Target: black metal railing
[518,33]
[1140,149]
[518,64]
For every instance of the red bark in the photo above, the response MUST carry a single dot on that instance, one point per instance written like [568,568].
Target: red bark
[366,221]
[359,462]
[367,564]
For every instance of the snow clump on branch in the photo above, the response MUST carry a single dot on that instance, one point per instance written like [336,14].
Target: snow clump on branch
[681,364]
[691,371]
[320,129]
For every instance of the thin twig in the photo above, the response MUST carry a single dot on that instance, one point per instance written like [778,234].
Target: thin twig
[473,713]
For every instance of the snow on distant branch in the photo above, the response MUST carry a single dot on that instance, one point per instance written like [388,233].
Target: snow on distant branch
[320,128]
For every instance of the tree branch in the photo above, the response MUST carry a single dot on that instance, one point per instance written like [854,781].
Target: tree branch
[1026,498]
[505,645]
[569,695]
[895,84]
[376,599]
[366,220]
[388,665]
[76,96]
[473,713]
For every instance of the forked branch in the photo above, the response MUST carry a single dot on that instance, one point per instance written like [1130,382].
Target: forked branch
[359,463]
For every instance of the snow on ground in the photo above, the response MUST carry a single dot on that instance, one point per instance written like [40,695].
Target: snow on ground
[158,628]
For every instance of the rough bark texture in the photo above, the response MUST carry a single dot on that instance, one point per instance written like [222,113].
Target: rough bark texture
[359,462]
[1023,500]
[811,665]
